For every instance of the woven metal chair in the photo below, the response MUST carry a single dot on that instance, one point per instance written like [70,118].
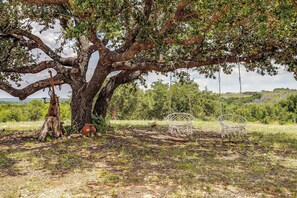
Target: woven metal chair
[232,124]
[180,123]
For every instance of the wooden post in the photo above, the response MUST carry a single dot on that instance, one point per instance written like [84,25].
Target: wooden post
[52,121]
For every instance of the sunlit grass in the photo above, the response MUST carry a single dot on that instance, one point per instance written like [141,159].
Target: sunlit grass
[23,126]
[137,153]
[199,125]
[212,126]
[18,126]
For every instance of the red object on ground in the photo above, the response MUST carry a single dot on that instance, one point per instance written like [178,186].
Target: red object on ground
[88,129]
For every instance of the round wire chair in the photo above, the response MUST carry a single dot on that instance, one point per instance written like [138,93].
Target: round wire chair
[180,123]
[232,124]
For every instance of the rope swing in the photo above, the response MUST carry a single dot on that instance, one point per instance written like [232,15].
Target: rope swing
[180,123]
[170,98]
[220,90]
[239,75]
[231,124]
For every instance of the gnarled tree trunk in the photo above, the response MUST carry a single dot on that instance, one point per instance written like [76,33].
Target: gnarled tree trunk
[81,108]
[106,92]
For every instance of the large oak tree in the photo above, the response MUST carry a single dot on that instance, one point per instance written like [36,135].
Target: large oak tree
[134,37]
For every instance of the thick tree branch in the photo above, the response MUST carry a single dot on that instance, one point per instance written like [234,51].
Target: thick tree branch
[130,39]
[213,19]
[85,53]
[156,66]
[134,49]
[101,70]
[125,77]
[174,17]
[29,44]
[107,91]
[92,49]
[30,89]
[97,80]
[33,69]
[41,45]
[98,43]
[177,16]
[140,46]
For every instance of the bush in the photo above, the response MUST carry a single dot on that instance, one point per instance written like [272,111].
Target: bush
[35,109]
[68,129]
[32,111]
[100,123]
[266,120]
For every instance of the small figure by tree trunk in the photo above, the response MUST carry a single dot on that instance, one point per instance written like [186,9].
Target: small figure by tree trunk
[52,121]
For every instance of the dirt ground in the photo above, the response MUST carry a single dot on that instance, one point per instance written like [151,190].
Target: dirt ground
[148,163]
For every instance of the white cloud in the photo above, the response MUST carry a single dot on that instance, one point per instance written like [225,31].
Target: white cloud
[251,81]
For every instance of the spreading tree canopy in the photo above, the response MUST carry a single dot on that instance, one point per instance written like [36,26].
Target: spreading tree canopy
[134,37]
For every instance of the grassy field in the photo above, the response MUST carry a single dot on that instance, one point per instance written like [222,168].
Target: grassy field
[139,159]
[199,125]
[212,126]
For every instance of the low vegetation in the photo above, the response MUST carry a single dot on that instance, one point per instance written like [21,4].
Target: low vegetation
[31,111]
[132,103]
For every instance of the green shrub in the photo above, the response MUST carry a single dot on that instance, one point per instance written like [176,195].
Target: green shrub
[266,120]
[100,123]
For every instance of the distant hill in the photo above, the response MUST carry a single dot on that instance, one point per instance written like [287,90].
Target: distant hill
[16,100]
[274,96]
[260,97]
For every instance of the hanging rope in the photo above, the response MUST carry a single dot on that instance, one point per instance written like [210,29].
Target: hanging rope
[180,123]
[239,75]
[220,91]
[190,100]
[231,124]
[219,78]
[190,104]
[169,98]
[170,83]
[170,94]
[240,82]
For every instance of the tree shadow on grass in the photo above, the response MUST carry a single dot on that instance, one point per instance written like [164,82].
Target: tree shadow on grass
[276,139]
[236,162]
[6,165]
[151,157]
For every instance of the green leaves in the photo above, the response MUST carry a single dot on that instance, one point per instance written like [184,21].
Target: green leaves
[198,31]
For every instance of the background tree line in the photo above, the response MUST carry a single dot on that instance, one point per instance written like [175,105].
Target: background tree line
[132,102]
[31,111]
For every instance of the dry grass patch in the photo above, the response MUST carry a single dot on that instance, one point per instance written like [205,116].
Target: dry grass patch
[145,161]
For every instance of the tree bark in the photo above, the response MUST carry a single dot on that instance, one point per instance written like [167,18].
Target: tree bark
[81,109]
[106,93]
[103,99]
